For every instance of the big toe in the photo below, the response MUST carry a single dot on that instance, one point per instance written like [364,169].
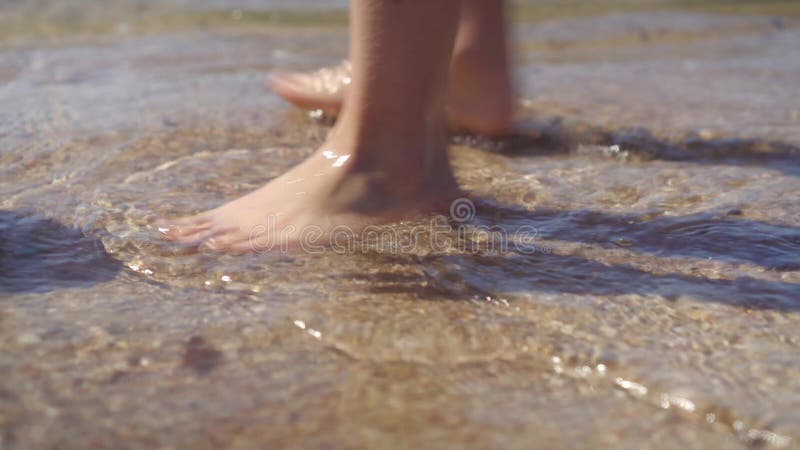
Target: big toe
[232,240]
[185,229]
[306,91]
[286,80]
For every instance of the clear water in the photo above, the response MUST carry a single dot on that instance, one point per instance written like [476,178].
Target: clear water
[661,309]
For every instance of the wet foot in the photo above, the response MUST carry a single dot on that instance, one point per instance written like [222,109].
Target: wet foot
[479,101]
[320,89]
[335,187]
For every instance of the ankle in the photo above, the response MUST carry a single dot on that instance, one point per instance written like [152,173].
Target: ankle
[480,91]
[406,163]
[402,164]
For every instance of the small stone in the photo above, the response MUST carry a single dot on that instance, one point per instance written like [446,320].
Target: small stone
[201,356]
[624,242]
[706,134]
[28,339]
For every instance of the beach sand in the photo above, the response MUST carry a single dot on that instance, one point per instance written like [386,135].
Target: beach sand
[657,305]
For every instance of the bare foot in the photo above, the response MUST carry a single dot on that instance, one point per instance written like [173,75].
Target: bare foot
[333,188]
[480,98]
[320,89]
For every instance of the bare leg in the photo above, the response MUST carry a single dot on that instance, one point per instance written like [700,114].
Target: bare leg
[480,97]
[385,157]
[481,94]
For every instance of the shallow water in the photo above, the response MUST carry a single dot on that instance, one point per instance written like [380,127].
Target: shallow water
[657,306]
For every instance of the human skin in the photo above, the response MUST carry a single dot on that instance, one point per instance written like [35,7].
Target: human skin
[386,156]
[480,98]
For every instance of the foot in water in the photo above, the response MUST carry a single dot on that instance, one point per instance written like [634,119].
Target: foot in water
[385,158]
[479,100]
[338,186]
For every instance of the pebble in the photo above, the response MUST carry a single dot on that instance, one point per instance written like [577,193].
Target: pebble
[28,339]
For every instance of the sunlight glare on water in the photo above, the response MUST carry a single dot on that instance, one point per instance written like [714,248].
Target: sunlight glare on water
[656,303]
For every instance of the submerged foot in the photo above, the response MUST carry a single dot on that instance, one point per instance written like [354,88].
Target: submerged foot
[331,189]
[480,98]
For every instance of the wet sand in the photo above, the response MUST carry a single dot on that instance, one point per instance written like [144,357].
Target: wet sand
[661,308]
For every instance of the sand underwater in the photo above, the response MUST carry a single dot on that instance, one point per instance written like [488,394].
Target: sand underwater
[660,308]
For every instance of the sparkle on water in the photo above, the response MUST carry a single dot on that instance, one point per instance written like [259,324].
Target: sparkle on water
[661,305]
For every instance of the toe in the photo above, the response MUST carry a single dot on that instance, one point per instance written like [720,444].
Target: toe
[237,244]
[224,240]
[185,228]
[302,91]
[289,85]
[284,80]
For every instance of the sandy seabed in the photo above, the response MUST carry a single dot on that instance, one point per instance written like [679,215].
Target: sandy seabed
[664,313]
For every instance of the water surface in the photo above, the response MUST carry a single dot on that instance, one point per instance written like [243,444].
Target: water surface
[660,308]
